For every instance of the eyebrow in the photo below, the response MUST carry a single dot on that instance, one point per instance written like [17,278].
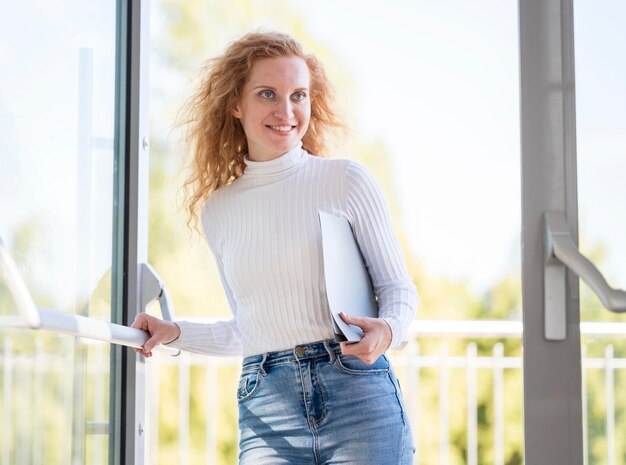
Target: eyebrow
[274,89]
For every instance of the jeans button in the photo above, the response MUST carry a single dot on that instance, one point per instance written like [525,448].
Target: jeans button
[300,351]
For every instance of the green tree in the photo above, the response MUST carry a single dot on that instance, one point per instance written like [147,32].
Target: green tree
[190,32]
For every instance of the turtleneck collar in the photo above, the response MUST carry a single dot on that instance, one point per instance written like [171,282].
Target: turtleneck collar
[282,163]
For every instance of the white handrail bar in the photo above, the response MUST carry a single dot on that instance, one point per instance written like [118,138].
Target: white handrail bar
[466,328]
[502,328]
[43,318]
[559,244]
[91,328]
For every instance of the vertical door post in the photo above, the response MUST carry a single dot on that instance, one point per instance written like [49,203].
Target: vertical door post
[552,369]
[127,403]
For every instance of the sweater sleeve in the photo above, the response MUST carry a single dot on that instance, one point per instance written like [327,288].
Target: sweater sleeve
[371,223]
[220,338]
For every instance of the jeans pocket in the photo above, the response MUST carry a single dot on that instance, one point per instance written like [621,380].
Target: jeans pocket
[399,396]
[355,366]
[249,382]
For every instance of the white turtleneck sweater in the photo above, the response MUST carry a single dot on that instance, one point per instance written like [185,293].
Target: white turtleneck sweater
[264,232]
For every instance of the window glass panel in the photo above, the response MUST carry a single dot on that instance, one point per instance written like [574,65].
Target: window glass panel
[57,115]
[600,44]
[601,134]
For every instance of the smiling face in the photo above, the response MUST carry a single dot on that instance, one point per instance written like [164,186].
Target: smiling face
[274,108]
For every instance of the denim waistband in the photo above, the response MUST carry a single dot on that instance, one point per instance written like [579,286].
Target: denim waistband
[328,347]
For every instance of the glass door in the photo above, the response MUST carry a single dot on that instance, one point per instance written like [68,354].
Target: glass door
[572,143]
[600,42]
[57,179]
[70,221]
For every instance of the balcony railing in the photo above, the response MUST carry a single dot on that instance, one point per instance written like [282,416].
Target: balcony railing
[439,354]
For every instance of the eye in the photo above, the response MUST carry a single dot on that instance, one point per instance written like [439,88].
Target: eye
[266,94]
[299,96]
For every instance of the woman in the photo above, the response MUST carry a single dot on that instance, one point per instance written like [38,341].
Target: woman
[258,122]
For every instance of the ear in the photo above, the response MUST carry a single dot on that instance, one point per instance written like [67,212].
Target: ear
[236,111]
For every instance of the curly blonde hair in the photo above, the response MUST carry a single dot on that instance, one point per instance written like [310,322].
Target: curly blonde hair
[215,138]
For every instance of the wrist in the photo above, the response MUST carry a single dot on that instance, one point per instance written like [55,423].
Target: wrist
[389,331]
[174,334]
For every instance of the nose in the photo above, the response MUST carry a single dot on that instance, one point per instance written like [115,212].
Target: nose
[284,109]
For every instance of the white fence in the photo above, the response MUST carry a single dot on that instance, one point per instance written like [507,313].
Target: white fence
[411,363]
[31,371]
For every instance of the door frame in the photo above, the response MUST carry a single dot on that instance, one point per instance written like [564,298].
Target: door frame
[130,228]
[552,369]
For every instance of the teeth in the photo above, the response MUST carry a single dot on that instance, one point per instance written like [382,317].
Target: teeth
[281,128]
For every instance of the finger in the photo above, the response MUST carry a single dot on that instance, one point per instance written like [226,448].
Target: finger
[140,322]
[155,340]
[145,353]
[359,321]
[149,345]
[366,355]
[351,348]
[140,352]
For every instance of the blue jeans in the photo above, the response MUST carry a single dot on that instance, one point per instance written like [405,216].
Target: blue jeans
[313,405]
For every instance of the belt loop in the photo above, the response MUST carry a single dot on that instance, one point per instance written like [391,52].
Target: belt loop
[330,350]
[262,365]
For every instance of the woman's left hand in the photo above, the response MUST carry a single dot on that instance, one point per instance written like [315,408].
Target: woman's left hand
[376,338]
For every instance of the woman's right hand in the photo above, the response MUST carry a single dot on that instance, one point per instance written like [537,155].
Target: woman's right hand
[161,332]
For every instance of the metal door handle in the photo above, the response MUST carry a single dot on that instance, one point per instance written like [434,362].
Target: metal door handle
[152,288]
[561,251]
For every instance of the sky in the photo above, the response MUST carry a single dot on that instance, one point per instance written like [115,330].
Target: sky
[436,81]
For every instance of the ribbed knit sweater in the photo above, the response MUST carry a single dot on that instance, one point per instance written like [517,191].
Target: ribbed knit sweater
[264,232]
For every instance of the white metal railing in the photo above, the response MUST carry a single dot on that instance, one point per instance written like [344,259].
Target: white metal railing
[411,363]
